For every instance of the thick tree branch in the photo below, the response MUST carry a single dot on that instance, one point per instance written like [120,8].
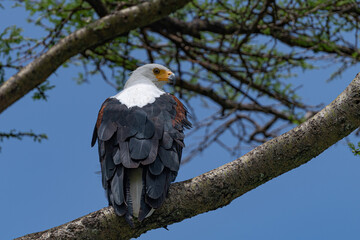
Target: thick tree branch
[95,33]
[277,31]
[193,28]
[219,187]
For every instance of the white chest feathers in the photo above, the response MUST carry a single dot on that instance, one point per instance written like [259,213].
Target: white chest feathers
[138,95]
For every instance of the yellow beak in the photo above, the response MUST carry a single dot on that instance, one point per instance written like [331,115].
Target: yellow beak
[167,76]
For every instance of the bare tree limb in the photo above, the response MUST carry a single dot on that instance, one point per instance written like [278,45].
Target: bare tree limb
[277,31]
[219,187]
[95,33]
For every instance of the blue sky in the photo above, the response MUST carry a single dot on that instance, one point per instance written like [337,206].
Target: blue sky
[45,185]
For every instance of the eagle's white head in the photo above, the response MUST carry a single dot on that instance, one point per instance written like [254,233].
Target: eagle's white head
[151,74]
[145,85]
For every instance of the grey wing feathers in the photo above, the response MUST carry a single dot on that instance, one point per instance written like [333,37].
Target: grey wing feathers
[150,138]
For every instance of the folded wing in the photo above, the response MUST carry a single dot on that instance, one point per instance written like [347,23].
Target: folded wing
[140,152]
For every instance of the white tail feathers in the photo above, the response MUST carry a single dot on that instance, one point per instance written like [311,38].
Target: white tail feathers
[136,185]
[136,188]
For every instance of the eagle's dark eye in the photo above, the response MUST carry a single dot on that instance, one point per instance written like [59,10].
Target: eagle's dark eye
[156,71]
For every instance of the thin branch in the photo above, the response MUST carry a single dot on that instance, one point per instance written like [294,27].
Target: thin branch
[99,7]
[228,104]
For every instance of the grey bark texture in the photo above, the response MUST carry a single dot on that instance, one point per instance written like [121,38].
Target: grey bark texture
[98,32]
[220,186]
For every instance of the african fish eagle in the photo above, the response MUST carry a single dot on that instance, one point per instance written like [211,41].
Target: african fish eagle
[140,139]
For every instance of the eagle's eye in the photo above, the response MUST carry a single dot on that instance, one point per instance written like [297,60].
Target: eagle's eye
[156,71]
